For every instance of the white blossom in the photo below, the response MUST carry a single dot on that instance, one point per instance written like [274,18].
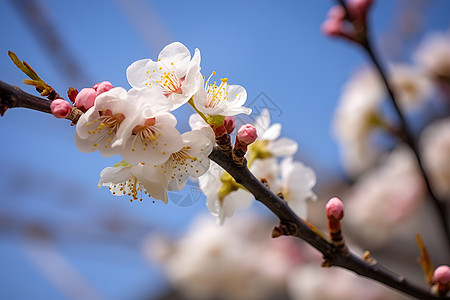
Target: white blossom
[413,86]
[435,144]
[234,261]
[190,161]
[223,194]
[134,180]
[175,74]
[268,169]
[268,138]
[359,115]
[101,126]
[222,99]
[151,137]
[197,123]
[297,182]
[433,55]
[384,198]
[312,282]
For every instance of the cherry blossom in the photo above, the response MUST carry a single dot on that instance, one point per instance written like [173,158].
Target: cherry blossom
[190,161]
[268,142]
[98,128]
[297,182]
[174,74]
[435,144]
[151,137]
[134,180]
[222,99]
[197,123]
[223,195]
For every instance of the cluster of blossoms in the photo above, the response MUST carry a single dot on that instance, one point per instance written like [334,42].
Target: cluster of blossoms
[138,125]
[291,179]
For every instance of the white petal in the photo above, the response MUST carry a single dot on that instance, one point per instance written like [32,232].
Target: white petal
[283,147]
[271,133]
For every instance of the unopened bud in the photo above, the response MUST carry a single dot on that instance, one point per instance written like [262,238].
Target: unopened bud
[85,99]
[442,274]
[229,124]
[335,208]
[60,108]
[335,213]
[102,87]
[441,279]
[246,134]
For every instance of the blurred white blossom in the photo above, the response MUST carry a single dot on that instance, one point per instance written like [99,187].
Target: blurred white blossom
[236,261]
[311,282]
[223,195]
[359,112]
[433,55]
[383,198]
[435,144]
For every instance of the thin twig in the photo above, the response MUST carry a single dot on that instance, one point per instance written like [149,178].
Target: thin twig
[10,95]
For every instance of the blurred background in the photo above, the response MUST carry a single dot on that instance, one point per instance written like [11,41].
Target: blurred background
[62,238]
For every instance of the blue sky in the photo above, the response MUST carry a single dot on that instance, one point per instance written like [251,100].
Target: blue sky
[272,48]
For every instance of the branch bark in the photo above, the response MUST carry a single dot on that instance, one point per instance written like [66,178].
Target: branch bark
[11,96]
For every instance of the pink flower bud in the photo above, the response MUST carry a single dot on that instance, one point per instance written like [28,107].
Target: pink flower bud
[246,134]
[335,208]
[102,87]
[229,124]
[442,274]
[60,108]
[85,99]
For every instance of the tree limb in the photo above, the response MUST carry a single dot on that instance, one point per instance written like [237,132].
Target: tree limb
[12,96]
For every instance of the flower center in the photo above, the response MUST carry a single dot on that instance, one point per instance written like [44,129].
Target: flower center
[108,121]
[132,187]
[216,94]
[147,133]
[181,163]
[169,80]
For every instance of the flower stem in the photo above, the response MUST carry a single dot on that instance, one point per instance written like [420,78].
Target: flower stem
[191,103]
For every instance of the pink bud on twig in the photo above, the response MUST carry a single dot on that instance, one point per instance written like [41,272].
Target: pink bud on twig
[102,87]
[246,134]
[335,213]
[85,99]
[229,124]
[441,277]
[335,209]
[60,108]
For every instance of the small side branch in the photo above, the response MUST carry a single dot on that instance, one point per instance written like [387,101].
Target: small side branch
[12,96]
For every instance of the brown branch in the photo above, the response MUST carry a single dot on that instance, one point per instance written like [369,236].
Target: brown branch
[11,97]
[332,256]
